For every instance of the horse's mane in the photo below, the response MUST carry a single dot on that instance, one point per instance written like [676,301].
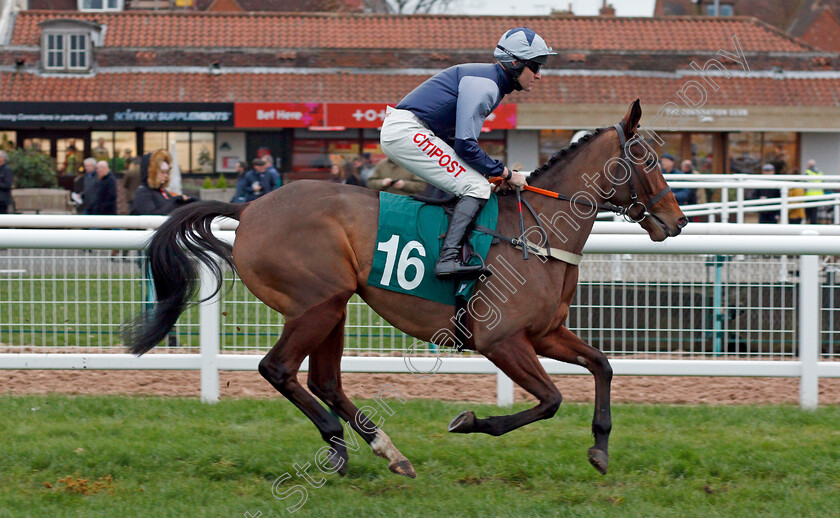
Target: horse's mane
[565,154]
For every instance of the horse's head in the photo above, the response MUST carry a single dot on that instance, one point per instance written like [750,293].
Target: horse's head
[638,184]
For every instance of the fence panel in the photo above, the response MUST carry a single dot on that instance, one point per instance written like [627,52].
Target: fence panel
[693,298]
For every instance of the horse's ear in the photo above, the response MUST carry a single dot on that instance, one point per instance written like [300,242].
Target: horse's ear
[631,120]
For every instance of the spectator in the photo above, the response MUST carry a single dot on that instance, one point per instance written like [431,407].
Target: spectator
[239,193]
[351,172]
[696,195]
[388,176]
[684,195]
[100,152]
[336,173]
[6,180]
[84,186]
[72,161]
[257,181]
[152,197]
[812,213]
[104,202]
[367,168]
[131,181]
[275,175]
[797,215]
[767,216]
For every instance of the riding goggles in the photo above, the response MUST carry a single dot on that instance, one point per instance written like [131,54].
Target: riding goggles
[533,64]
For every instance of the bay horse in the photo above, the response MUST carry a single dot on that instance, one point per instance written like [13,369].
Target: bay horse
[306,248]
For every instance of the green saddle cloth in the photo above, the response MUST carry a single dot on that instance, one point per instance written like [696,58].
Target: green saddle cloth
[407,246]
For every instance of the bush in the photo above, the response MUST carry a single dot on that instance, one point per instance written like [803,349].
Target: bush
[221,183]
[208,183]
[32,169]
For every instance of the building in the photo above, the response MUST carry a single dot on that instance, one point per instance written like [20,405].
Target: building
[815,21]
[730,93]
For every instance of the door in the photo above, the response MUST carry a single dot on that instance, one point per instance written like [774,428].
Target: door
[274,143]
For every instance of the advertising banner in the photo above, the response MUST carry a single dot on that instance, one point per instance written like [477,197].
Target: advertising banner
[278,115]
[115,115]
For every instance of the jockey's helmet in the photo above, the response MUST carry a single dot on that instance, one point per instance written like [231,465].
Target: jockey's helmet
[524,47]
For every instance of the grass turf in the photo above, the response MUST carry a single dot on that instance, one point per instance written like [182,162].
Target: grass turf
[148,456]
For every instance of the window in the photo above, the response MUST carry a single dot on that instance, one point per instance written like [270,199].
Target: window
[118,148]
[100,5]
[745,152]
[725,10]
[702,152]
[194,150]
[67,51]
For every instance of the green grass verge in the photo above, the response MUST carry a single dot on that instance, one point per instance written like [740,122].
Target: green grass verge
[159,457]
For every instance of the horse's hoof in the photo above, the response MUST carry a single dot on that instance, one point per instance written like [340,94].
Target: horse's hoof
[463,422]
[403,468]
[339,461]
[599,460]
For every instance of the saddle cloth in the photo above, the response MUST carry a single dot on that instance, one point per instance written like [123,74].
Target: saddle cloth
[408,240]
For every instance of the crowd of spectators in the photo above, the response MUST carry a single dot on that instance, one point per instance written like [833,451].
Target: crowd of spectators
[773,166]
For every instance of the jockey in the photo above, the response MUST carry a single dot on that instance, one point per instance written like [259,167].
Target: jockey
[433,132]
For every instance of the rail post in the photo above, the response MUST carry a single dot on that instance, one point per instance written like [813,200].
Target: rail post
[504,389]
[809,328]
[209,330]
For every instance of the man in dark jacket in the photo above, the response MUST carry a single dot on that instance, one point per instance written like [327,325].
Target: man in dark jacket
[258,181]
[6,180]
[104,200]
[767,216]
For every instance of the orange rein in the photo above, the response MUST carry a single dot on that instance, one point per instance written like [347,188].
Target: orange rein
[544,192]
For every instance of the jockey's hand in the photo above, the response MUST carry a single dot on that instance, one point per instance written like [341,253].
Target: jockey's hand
[517,179]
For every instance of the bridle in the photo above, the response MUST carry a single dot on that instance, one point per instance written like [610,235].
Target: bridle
[634,198]
[623,211]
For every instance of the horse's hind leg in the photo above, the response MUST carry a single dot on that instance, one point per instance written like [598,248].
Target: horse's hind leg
[565,346]
[515,358]
[280,367]
[325,382]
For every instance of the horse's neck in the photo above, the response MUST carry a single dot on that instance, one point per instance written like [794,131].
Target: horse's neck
[570,221]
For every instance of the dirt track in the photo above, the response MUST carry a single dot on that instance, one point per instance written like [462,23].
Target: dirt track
[447,387]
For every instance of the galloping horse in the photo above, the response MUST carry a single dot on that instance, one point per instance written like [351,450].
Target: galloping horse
[306,248]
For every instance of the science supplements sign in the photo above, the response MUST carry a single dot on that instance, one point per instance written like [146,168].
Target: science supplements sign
[116,115]
[338,115]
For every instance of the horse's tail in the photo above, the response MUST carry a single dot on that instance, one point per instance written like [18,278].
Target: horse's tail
[186,232]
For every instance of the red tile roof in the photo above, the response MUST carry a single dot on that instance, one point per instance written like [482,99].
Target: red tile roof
[363,31]
[348,87]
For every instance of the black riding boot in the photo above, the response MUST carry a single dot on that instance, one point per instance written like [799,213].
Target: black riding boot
[449,263]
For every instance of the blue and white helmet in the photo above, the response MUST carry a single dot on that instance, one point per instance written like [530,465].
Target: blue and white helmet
[522,44]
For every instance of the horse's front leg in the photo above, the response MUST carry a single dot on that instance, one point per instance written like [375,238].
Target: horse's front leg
[565,346]
[516,358]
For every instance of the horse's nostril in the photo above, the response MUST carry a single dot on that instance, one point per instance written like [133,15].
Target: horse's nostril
[683,221]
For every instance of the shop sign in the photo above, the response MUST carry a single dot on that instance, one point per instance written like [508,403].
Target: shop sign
[278,115]
[356,115]
[371,115]
[503,117]
[56,115]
